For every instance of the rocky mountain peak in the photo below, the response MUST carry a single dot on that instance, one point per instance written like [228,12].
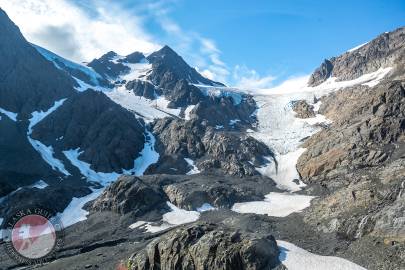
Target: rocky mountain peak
[28,81]
[166,54]
[108,56]
[107,67]
[384,51]
[134,57]
[168,66]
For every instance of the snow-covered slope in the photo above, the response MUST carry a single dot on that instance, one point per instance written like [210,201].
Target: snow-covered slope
[64,64]
[147,109]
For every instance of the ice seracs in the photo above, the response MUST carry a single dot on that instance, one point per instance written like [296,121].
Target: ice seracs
[222,91]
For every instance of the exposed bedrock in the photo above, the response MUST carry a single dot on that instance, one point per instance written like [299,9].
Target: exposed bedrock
[139,195]
[109,135]
[211,149]
[130,194]
[359,160]
[387,50]
[208,246]
[303,109]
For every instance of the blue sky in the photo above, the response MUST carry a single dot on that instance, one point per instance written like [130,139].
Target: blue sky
[249,43]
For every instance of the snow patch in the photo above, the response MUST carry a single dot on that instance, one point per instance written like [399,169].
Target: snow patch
[1,225]
[138,71]
[300,84]
[74,212]
[39,185]
[233,121]
[275,204]
[187,112]
[205,207]
[194,169]
[47,155]
[284,173]
[11,115]
[146,108]
[357,47]
[54,58]
[84,168]
[295,258]
[175,217]
[46,152]
[38,116]
[83,86]
[147,157]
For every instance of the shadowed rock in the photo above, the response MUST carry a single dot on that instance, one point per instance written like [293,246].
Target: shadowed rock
[208,246]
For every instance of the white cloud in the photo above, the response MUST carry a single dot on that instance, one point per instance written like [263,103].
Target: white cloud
[295,83]
[88,29]
[65,28]
[246,78]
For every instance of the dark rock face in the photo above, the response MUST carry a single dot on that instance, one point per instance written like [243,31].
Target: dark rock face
[110,136]
[107,68]
[139,195]
[142,89]
[15,152]
[183,94]
[168,68]
[220,191]
[133,58]
[387,50]
[303,109]
[222,111]
[208,246]
[28,82]
[130,194]
[214,150]
[321,74]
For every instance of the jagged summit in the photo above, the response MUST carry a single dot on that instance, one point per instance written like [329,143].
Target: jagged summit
[386,50]
[168,65]
[165,53]
[134,57]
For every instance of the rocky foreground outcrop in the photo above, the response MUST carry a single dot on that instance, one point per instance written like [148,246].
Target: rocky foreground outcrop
[208,246]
